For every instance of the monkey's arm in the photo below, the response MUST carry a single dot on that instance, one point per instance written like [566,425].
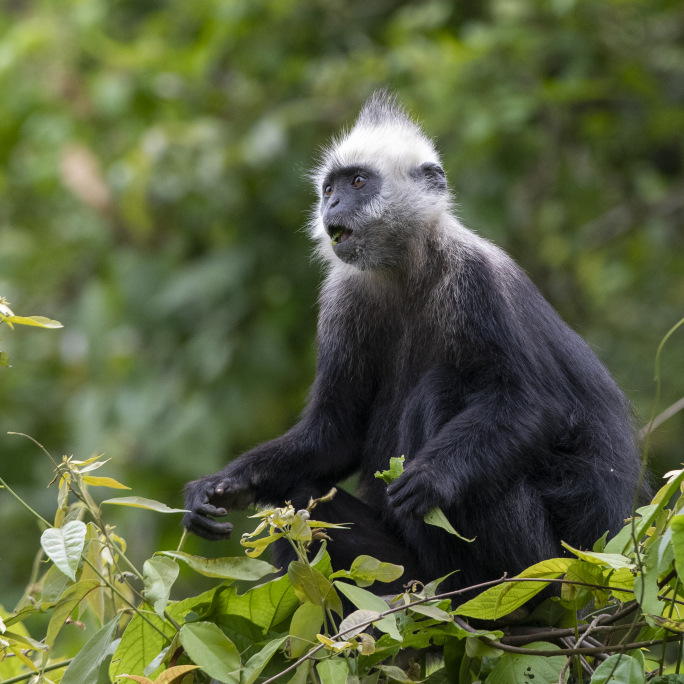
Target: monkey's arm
[323,446]
[499,432]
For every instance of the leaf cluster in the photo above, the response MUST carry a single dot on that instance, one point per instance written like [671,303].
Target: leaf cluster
[294,627]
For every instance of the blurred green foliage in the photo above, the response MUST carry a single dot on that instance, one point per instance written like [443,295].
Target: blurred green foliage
[153,159]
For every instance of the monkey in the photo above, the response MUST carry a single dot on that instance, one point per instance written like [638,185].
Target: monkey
[434,344]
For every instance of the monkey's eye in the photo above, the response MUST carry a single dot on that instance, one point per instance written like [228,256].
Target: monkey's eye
[358,181]
[327,191]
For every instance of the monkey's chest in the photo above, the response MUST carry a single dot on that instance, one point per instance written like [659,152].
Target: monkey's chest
[409,411]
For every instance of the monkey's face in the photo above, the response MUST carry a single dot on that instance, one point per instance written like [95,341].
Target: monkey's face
[371,217]
[354,210]
[346,195]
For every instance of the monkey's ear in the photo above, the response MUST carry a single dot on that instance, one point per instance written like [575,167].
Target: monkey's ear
[433,175]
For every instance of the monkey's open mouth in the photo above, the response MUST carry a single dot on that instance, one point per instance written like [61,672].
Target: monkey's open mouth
[339,234]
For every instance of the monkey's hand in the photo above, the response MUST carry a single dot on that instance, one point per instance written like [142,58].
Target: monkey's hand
[210,498]
[416,491]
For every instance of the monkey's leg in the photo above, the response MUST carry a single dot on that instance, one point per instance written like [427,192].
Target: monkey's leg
[367,535]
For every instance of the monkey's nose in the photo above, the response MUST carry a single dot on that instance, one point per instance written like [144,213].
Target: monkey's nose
[334,203]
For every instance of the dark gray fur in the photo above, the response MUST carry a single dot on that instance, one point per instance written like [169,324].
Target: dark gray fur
[434,344]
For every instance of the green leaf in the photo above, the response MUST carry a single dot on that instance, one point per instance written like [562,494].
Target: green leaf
[366,601]
[95,481]
[25,640]
[305,625]
[479,649]
[54,584]
[67,602]
[333,671]
[240,568]
[365,570]
[430,588]
[396,674]
[622,579]
[677,527]
[208,647]
[4,359]
[435,516]
[619,669]
[266,605]
[159,574]
[38,321]
[64,546]
[623,541]
[258,662]
[610,560]
[395,470]
[98,599]
[300,530]
[440,676]
[512,668]
[139,645]
[173,674]
[668,623]
[301,674]
[505,598]
[255,547]
[600,544]
[590,573]
[311,585]
[646,583]
[85,667]
[357,622]
[432,612]
[139,502]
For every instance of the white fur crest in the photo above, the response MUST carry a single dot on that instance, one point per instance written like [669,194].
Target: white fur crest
[383,138]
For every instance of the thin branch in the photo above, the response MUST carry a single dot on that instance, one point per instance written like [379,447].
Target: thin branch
[367,623]
[21,434]
[495,644]
[28,675]
[662,417]
[562,651]
[553,633]
[569,641]
[23,503]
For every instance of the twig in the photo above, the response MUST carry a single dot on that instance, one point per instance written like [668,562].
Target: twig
[551,633]
[23,503]
[569,641]
[37,443]
[662,417]
[367,623]
[27,675]
[561,651]
[495,644]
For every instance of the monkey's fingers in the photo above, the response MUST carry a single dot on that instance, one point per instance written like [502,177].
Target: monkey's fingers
[208,509]
[208,528]
[206,534]
[408,500]
[398,492]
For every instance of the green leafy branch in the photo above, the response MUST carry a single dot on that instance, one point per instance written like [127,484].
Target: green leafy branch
[7,316]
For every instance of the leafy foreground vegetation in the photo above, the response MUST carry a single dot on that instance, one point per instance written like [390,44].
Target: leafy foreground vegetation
[294,629]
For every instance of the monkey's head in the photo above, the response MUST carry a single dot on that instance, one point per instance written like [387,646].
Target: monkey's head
[381,189]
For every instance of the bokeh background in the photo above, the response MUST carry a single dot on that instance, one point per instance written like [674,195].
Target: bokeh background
[153,159]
